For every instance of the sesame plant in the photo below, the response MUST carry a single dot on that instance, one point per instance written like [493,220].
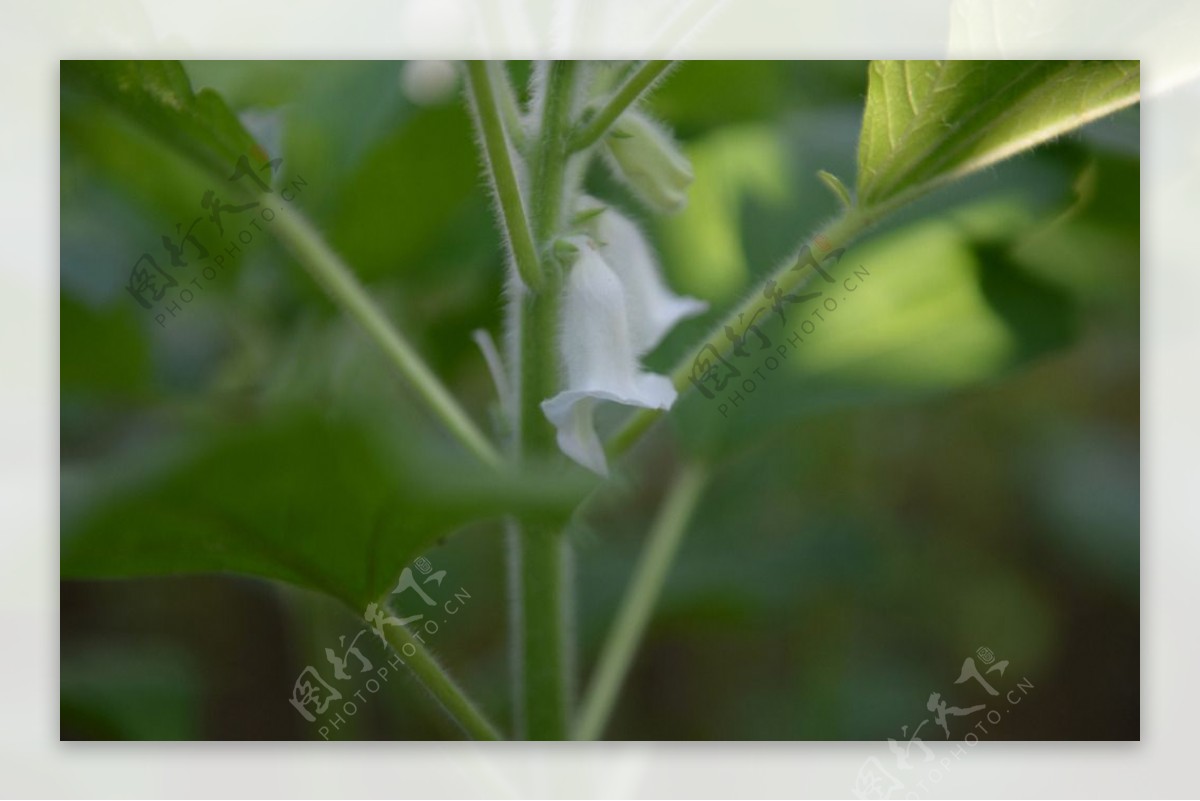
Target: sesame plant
[585,306]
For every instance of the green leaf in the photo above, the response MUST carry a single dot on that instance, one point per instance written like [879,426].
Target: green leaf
[928,122]
[704,95]
[380,229]
[731,166]
[316,502]
[102,351]
[933,307]
[139,692]
[157,97]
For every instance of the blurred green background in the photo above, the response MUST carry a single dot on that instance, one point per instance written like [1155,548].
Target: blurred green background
[952,464]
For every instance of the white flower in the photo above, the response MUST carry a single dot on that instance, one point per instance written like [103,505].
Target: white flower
[653,309]
[615,308]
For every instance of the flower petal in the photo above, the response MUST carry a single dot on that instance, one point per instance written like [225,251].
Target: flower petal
[653,308]
[600,362]
[573,415]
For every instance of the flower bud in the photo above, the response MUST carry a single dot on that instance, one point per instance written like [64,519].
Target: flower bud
[645,157]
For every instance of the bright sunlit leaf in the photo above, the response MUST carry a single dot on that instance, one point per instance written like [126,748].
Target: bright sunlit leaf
[928,122]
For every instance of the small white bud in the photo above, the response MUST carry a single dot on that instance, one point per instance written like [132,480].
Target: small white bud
[645,157]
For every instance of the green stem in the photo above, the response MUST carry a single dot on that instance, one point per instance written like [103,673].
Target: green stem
[550,161]
[445,690]
[540,578]
[639,601]
[538,362]
[626,95]
[837,234]
[543,633]
[298,235]
[538,328]
[503,174]
[507,98]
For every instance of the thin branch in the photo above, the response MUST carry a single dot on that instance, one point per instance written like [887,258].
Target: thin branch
[298,235]
[640,599]
[498,155]
[837,234]
[440,685]
[510,109]
[626,95]
[495,366]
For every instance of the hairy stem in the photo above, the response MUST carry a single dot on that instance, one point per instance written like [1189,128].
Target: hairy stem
[657,557]
[506,97]
[625,96]
[444,689]
[550,160]
[538,314]
[540,574]
[298,235]
[498,155]
[543,627]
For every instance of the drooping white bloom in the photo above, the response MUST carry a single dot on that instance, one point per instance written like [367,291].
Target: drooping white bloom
[615,308]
